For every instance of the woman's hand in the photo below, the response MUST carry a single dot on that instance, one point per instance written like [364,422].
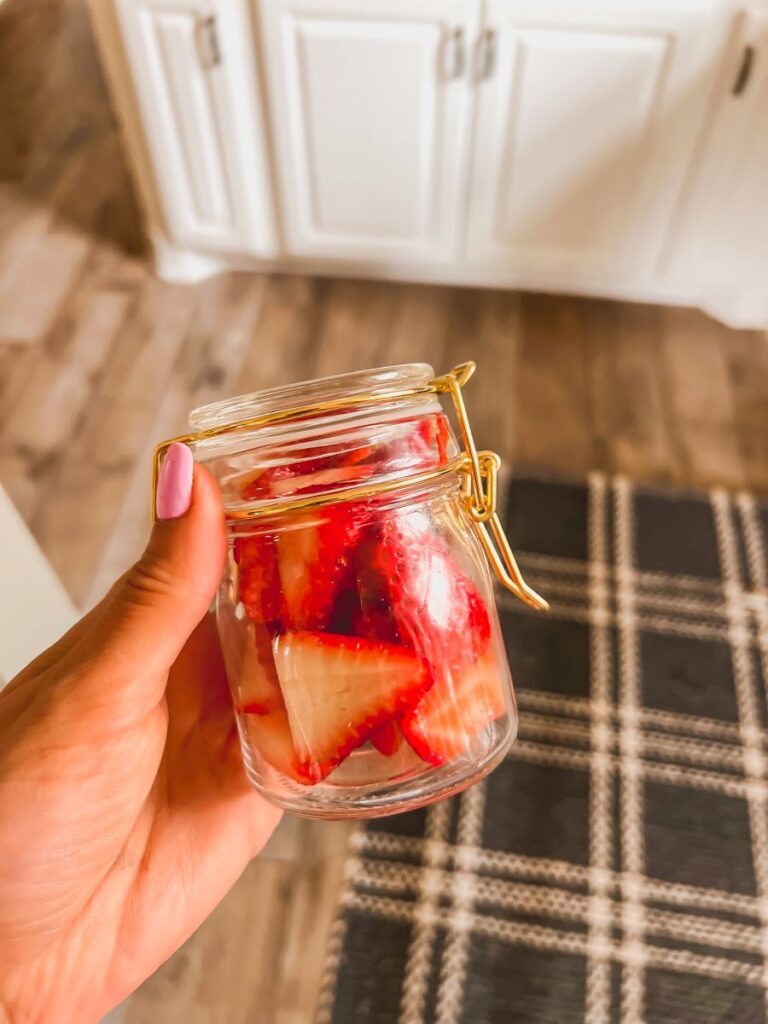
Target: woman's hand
[125,814]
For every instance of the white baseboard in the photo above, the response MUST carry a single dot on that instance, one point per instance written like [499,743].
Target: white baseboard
[186,266]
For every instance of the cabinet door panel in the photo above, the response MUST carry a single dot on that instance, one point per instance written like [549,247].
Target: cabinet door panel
[722,245]
[200,112]
[171,41]
[369,123]
[595,91]
[585,130]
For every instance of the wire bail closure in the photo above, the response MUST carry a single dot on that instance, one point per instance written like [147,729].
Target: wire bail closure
[478,471]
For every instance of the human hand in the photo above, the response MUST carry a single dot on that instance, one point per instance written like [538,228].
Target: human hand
[125,814]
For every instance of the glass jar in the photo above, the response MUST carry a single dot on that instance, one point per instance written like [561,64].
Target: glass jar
[356,612]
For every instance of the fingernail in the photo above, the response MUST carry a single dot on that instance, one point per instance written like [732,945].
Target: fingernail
[174,484]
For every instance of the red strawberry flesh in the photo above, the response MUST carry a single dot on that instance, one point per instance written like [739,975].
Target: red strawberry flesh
[260,700]
[259,577]
[314,556]
[412,588]
[338,690]
[452,713]
[270,735]
[258,688]
[443,439]
[387,738]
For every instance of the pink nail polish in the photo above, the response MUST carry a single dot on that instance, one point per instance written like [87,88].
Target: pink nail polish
[174,484]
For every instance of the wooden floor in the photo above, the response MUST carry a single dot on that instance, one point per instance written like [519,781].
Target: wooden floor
[98,360]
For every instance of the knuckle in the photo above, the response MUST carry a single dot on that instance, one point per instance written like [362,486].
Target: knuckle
[148,580]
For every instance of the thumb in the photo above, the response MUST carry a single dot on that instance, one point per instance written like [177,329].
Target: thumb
[152,610]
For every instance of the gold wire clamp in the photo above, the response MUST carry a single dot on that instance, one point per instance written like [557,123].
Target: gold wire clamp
[479,491]
[478,471]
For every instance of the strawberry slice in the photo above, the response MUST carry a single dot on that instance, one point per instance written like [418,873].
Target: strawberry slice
[259,698]
[295,578]
[259,577]
[346,615]
[315,564]
[271,736]
[258,688]
[387,738]
[322,480]
[338,690]
[373,617]
[281,481]
[307,476]
[413,445]
[458,707]
[360,453]
[412,589]
[262,484]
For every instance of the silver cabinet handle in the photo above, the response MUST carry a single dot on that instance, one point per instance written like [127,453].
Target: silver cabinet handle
[453,54]
[485,54]
[208,42]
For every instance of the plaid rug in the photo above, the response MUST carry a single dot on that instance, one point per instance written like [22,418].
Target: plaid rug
[615,869]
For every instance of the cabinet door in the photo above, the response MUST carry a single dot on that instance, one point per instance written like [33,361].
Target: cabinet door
[368,110]
[587,119]
[192,67]
[722,245]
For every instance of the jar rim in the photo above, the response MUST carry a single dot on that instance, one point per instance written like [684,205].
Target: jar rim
[382,379]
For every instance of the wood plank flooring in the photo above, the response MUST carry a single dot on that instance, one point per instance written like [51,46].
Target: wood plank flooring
[98,360]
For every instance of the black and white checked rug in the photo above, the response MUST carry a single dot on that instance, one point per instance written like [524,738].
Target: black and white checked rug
[615,869]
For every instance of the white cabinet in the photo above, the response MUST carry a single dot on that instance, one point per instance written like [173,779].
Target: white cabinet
[587,116]
[191,64]
[722,239]
[515,141]
[369,109]
[593,146]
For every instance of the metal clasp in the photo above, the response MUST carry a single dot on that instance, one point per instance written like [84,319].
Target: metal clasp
[479,492]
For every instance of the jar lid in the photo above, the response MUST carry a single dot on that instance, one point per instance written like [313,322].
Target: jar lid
[406,377]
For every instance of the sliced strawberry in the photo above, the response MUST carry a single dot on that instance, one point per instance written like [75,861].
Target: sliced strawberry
[376,622]
[338,456]
[264,482]
[258,688]
[259,698]
[458,706]
[387,738]
[354,455]
[320,480]
[412,588]
[271,736]
[315,471]
[339,689]
[413,445]
[259,577]
[295,578]
[373,617]
[346,615]
[315,564]
[426,431]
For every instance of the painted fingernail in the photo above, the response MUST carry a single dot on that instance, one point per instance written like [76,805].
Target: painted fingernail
[174,484]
